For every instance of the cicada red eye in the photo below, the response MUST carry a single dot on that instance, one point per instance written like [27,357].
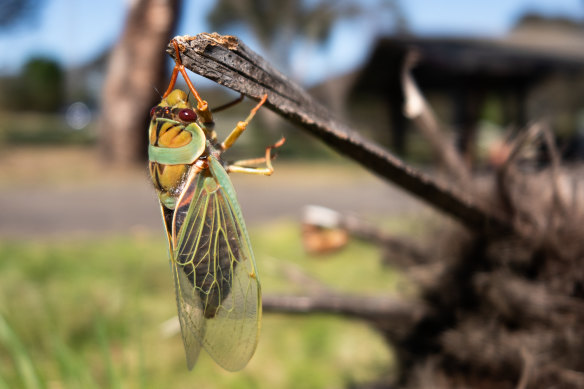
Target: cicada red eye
[187,115]
[153,111]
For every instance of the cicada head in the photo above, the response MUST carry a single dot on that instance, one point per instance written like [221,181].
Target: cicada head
[175,107]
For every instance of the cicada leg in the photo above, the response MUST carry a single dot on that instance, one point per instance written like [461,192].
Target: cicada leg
[243,166]
[229,104]
[241,126]
[202,106]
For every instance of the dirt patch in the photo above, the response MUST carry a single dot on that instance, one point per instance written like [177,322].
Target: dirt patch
[63,190]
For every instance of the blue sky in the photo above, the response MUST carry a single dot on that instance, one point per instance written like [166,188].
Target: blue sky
[74,32]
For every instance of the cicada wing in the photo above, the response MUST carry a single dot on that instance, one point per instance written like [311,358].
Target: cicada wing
[232,340]
[190,316]
[188,308]
[218,291]
[189,305]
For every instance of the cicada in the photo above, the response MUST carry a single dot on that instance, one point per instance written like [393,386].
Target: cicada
[218,291]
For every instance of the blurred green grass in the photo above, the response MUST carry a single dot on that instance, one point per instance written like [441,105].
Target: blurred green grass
[88,313]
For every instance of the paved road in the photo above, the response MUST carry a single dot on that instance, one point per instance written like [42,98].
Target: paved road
[121,205]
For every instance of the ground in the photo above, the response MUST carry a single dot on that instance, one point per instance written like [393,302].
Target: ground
[68,190]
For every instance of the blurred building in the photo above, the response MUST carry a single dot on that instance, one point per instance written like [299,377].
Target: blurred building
[536,71]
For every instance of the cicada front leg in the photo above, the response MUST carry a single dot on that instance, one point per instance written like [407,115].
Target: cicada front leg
[248,165]
[205,115]
[241,126]
[229,104]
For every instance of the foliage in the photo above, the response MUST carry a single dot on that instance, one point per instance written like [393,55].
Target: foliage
[14,13]
[43,82]
[39,87]
[277,24]
[88,313]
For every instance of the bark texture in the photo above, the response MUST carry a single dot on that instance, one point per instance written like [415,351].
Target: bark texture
[136,68]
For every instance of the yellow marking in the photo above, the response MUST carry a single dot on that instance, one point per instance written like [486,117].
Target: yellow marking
[171,176]
[175,97]
[153,133]
[165,127]
[174,137]
[182,139]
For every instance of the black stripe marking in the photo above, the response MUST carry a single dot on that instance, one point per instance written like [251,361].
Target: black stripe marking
[156,176]
[158,128]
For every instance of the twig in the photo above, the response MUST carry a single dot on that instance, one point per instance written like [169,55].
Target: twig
[296,275]
[321,217]
[416,108]
[555,163]
[507,173]
[524,139]
[393,244]
[526,371]
[382,312]
[568,376]
[227,61]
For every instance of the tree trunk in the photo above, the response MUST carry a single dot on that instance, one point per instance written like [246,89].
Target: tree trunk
[135,69]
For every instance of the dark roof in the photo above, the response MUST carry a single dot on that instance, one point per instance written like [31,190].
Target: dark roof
[442,61]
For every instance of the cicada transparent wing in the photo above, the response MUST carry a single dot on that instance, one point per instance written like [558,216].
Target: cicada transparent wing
[217,288]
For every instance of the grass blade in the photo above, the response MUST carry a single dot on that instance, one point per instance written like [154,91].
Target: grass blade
[22,361]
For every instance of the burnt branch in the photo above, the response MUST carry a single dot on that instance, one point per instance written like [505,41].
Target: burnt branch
[560,207]
[398,246]
[399,314]
[508,174]
[227,61]
[296,275]
[323,219]
[417,109]
[493,310]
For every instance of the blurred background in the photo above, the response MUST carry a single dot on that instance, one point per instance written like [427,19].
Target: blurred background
[84,281]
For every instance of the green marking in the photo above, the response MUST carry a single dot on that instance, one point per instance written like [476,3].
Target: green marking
[184,155]
[168,201]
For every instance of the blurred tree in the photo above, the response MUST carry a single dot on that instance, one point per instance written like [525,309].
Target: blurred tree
[281,25]
[43,84]
[39,87]
[136,68]
[15,12]
[277,24]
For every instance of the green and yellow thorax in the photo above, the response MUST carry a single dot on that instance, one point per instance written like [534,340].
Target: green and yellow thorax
[176,141]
